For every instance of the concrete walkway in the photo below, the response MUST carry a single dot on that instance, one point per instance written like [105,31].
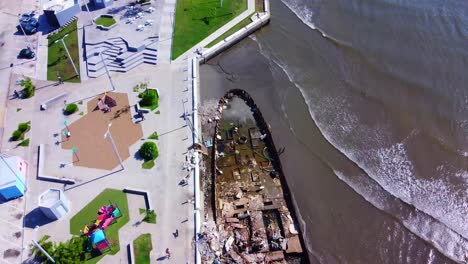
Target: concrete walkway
[220,31]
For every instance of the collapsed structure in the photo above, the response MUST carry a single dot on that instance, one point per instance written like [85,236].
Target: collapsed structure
[252,219]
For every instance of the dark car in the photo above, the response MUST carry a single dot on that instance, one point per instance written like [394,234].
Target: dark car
[29,23]
[27,54]
[26,17]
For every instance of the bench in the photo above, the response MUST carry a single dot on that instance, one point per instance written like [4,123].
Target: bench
[44,104]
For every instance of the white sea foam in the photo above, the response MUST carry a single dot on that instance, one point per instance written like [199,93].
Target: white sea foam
[306,15]
[394,172]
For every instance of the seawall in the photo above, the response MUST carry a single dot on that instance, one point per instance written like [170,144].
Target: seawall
[258,22]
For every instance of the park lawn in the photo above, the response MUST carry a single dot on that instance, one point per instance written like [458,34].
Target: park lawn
[142,247]
[105,21]
[58,63]
[89,214]
[197,19]
[258,9]
[231,31]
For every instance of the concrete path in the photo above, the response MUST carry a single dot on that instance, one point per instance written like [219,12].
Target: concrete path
[220,31]
[162,181]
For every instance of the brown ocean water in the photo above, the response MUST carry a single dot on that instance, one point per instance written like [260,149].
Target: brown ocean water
[369,99]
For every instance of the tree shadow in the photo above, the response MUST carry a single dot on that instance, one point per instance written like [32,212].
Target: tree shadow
[36,218]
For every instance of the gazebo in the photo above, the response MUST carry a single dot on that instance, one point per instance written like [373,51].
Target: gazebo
[53,203]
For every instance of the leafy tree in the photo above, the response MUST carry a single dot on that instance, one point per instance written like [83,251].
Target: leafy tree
[46,245]
[28,90]
[69,252]
[17,135]
[24,127]
[149,151]
[149,98]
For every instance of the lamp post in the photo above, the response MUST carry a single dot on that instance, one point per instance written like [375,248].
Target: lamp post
[68,53]
[25,35]
[87,9]
[107,71]
[113,145]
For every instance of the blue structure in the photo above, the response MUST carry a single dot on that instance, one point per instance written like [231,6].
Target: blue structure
[12,180]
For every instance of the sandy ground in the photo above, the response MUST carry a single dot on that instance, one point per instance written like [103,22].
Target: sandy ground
[87,133]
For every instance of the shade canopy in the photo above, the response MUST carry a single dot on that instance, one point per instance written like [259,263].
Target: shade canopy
[98,236]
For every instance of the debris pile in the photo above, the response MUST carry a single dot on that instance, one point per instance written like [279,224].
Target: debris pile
[252,222]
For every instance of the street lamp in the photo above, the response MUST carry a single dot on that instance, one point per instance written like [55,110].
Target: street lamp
[68,53]
[113,145]
[90,17]
[25,35]
[107,71]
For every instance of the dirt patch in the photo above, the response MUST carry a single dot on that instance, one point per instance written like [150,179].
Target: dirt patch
[87,134]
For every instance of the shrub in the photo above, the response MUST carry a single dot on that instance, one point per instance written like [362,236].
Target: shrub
[24,127]
[70,109]
[17,135]
[24,143]
[148,98]
[29,88]
[149,151]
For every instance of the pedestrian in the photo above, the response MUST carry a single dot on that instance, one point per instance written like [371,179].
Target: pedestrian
[60,80]
[176,233]
[16,94]
[168,253]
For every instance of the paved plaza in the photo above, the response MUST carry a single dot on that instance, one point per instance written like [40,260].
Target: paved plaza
[172,79]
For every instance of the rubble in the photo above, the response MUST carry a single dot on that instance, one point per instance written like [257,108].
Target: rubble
[251,219]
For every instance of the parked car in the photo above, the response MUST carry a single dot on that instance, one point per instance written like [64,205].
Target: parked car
[26,17]
[29,23]
[27,54]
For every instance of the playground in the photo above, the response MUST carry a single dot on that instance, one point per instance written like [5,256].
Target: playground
[87,133]
[100,222]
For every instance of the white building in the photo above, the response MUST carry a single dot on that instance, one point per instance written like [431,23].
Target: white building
[54,204]
[59,12]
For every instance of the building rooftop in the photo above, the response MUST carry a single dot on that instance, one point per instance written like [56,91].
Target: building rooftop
[8,169]
[49,198]
[59,5]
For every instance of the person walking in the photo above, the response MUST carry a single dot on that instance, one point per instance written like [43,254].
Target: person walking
[168,253]
[176,234]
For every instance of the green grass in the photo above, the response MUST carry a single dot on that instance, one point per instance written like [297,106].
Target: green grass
[157,112]
[58,63]
[142,247]
[24,143]
[154,136]
[148,164]
[197,19]
[18,109]
[238,26]
[105,21]
[231,31]
[89,214]
[149,218]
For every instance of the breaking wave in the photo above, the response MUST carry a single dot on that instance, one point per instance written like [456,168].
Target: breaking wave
[389,184]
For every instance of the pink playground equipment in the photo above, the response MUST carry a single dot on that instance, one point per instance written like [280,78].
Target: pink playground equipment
[108,214]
